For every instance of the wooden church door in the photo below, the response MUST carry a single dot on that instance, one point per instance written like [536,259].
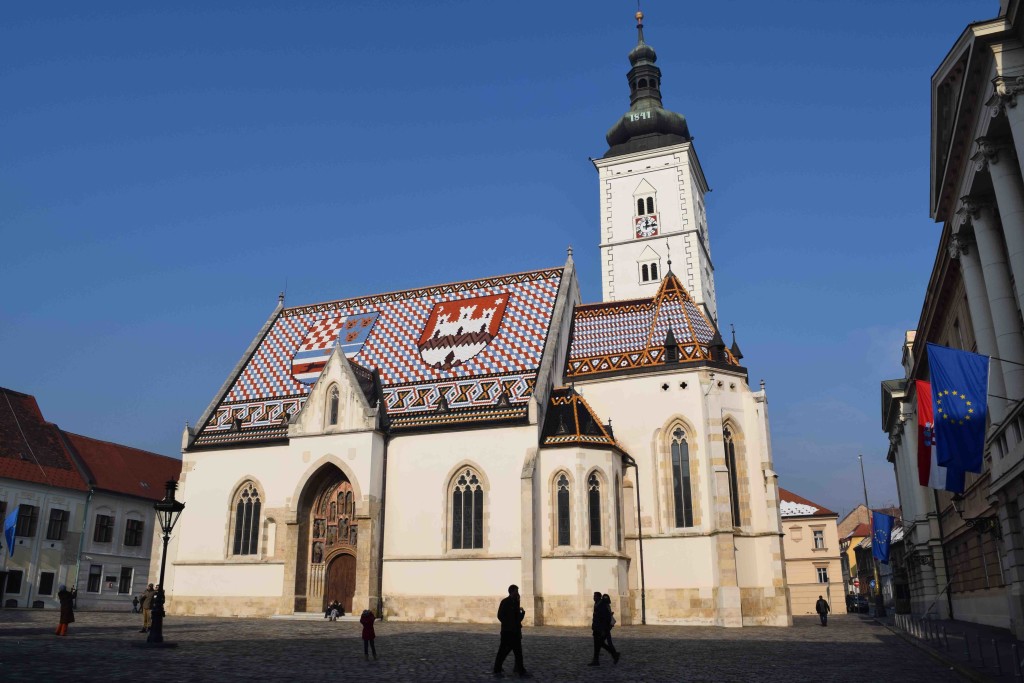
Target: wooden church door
[340,581]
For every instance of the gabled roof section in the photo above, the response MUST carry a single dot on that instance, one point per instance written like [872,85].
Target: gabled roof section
[31,449]
[570,421]
[453,354]
[123,469]
[792,505]
[618,336]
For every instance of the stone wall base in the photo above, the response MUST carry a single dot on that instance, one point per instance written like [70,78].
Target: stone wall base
[714,607]
[765,607]
[444,609]
[219,606]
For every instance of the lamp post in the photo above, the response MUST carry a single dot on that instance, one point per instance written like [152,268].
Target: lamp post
[167,512]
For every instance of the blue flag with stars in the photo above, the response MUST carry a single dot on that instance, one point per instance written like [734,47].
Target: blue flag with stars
[881,535]
[9,525]
[960,404]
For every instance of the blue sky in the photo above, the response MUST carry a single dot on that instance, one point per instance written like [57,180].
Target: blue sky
[166,171]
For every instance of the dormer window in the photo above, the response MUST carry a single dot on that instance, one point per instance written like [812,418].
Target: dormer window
[649,266]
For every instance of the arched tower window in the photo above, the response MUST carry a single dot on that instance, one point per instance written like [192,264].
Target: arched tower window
[682,494]
[654,271]
[247,520]
[594,501]
[650,205]
[562,494]
[645,273]
[332,406]
[618,513]
[467,511]
[640,207]
[734,482]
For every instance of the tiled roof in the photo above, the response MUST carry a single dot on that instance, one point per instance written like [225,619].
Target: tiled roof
[31,448]
[123,469]
[861,529]
[448,354]
[792,505]
[617,336]
[570,421]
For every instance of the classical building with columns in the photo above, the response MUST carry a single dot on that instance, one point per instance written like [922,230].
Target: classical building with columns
[418,451]
[965,558]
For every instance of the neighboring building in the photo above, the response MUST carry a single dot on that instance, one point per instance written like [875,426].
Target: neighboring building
[424,449]
[858,515]
[65,485]
[973,302]
[811,546]
[854,572]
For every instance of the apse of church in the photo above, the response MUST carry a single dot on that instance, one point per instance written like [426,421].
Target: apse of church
[416,452]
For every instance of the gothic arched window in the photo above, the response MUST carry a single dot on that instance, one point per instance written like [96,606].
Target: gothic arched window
[682,495]
[594,501]
[654,271]
[650,205]
[618,513]
[640,207]
[734,480]
[645,274]
[467,511]
[332,407]
[247,520]
[562,514]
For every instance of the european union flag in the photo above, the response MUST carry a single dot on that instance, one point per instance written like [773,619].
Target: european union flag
[881,534]
[9,525]
[960,403]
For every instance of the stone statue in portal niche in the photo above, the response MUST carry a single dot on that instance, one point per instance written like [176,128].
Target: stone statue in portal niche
[318,552]
[332,535]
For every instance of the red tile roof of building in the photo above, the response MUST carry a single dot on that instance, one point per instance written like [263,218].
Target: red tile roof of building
[123,469]
[790,497]
[861,530]
[31,449]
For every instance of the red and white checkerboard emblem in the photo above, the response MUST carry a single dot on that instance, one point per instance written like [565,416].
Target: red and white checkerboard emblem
[458,330]
[348,331]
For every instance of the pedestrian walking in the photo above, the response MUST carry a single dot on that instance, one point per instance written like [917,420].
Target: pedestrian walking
[611,624]
[67,611]
[822,608]
[601,625]
[147,606]
[369,635]
[135,605]
[510,614]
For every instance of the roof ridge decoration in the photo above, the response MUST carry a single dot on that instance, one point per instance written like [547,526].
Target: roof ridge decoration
[615,337]
[586,430]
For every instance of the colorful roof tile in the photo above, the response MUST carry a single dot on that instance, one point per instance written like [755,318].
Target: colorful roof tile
[448,354]
[792,505]
[570,421]
[669,327]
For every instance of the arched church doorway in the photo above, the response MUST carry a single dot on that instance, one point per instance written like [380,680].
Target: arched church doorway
[328,555]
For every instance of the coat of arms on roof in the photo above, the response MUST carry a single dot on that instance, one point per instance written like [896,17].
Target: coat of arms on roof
[458,330]
[350,331]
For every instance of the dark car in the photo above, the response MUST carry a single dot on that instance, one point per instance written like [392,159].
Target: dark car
[859,604]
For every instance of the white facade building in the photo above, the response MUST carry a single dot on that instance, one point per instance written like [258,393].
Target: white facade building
[419,451]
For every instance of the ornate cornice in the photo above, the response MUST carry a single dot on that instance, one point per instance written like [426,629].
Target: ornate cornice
[972,206]
[1005,96]
[992,151]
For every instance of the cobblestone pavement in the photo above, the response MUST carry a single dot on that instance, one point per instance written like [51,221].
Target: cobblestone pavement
[100,647]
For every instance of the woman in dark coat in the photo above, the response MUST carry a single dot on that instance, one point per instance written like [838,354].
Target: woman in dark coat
[366,619]
[67,612]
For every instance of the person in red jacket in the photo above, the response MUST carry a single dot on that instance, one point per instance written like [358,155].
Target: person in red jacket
[366,619]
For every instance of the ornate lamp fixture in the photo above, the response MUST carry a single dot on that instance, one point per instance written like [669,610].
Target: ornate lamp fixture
[989,523]
[167,512]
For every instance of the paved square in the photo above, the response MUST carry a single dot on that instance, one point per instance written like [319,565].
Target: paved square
[99,648]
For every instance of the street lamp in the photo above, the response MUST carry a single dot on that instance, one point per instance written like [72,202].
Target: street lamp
[167,512]
[989,523]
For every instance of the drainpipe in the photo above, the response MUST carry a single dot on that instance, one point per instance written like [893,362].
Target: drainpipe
[81,543]
[630,462]
[383,508]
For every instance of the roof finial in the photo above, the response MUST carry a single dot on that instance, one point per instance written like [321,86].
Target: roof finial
[280,298]
[639,24]
[569,251]
[669,248]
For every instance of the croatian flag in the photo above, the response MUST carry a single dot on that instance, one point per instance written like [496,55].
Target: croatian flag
[929,472]
[348,331]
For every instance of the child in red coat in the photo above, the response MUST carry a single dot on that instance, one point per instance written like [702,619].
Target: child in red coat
[366,619]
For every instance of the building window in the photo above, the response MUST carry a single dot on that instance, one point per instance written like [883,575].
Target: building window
[124,584]
[467,511]
[645,274]
[734,482]
[654,271]
[28,517]
[562,488]
[3,510]
[104,532]
[133,532]
[819,539]
[57,529]
[332,410]
[13,581]
[618,513]
[822,574]
[247,520]
[681,479]
[46,583]
[650,205]
[640,207]
[95,577]
[594,502]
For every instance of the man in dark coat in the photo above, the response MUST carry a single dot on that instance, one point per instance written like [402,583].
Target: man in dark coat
[822,608]
[67,612]
[510,614]
[147,607]
[601,625]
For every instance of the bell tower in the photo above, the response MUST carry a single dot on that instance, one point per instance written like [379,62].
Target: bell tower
[652,195]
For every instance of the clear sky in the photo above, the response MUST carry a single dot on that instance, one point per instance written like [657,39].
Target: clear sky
[166,171]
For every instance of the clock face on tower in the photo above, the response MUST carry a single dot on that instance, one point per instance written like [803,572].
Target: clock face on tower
[646,226]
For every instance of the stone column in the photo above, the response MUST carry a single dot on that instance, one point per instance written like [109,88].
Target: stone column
[1002,302]
[999,157]
[964,248]
[728,607]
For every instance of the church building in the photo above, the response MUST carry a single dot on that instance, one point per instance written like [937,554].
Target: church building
[418,451]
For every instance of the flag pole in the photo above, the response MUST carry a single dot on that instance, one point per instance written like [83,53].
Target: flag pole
[874,562]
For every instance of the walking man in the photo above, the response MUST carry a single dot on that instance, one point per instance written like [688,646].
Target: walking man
[147,606]
[510,614]
[822,608]
[601,625]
